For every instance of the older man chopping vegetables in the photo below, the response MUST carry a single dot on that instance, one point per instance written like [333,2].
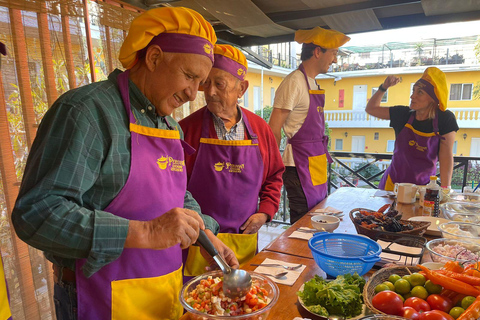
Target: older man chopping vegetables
[104,191]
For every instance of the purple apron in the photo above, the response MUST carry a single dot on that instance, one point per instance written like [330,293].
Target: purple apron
[415,156]
[226,180]
[310,149]
[141,283]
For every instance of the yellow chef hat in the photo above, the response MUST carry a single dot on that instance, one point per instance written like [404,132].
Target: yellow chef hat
[328,39]
[174,29]
[434,83]
[230,59]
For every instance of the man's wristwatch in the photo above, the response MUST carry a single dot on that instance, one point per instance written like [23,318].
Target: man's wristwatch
[381,88]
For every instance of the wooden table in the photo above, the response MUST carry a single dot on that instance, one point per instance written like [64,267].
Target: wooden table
[297,251]
[344,199]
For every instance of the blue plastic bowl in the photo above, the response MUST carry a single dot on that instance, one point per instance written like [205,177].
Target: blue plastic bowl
[341,253]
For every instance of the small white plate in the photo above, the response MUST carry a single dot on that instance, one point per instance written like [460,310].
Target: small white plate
[433,228]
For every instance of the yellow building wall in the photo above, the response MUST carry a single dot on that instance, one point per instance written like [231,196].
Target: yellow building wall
[269,81]
[397,95]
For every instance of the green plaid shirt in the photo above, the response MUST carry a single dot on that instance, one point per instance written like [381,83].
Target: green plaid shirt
[79,162]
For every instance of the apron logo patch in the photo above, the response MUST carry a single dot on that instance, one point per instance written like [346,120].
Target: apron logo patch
[219,166]
[173,164]
[232,168]
[320,109]
[414,143]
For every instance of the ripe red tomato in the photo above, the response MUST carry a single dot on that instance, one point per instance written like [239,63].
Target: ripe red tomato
[389,302]
[418,304]
[435,315]
[438,302]
[410,313]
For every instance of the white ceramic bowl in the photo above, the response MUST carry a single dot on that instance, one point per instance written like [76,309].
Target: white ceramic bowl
[323,222]
[461,230]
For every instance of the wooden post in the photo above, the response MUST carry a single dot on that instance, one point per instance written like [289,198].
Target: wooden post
[88,32]
[21,62]
[67,46]
[47,57]
[108,40]
[10,189]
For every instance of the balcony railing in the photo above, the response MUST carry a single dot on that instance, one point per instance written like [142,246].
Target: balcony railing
[466,118]
[349,169]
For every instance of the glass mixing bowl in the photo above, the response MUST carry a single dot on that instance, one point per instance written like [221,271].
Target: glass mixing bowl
[461,211]
[438,247]
[461,230]
[262,281]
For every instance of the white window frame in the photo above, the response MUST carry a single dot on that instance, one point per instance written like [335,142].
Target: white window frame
[455,145]
[390,145]
[384,97]
[338,141]
[461,92]
[272,96]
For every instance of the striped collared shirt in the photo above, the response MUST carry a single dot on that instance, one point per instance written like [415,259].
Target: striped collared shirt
[237,132]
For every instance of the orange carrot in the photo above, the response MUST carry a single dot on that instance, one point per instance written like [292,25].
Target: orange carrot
[449,283]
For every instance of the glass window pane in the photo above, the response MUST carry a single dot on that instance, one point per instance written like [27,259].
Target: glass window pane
[455,91]
[467,92]
[390,145]
[338,144]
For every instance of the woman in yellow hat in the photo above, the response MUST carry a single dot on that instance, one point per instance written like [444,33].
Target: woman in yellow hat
[425,131]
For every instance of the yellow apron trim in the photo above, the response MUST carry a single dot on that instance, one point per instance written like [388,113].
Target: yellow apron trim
[317,166]
[154,132]
[148,298]
[243,245]
[409,126]
[389,184]
[316,91]
[228,142]
[5,311]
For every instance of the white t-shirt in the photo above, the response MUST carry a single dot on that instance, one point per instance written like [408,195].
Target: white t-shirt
[292,94]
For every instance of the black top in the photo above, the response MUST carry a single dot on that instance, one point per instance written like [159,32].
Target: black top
[399,116]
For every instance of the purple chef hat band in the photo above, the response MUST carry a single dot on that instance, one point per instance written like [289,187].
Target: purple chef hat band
[234,68]
[427,87]
[3,49]
[181,43]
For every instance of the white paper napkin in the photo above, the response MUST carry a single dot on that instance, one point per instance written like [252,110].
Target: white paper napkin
[302,235]
[327,210]
[290,277]
[397,258]
[383,193]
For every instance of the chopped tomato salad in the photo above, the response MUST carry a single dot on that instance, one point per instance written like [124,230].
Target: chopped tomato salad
[208,297]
